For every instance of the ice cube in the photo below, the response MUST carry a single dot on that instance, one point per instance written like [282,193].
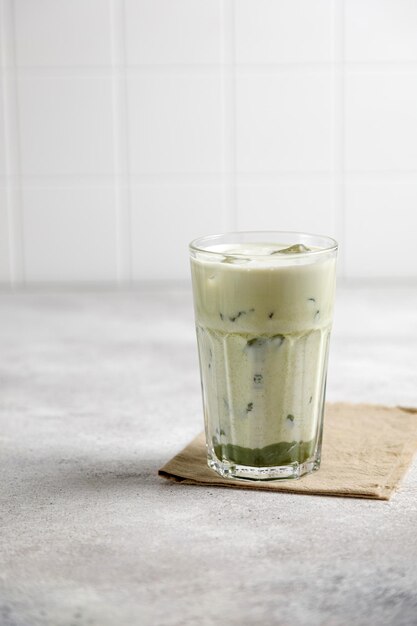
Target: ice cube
[236,260]
[296,248]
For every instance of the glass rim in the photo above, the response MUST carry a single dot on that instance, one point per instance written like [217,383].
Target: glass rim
[195,244]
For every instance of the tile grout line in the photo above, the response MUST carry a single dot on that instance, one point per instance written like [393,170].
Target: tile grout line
[234,115]
[228,78]
[339,130]
[215,178]
[92,71]
[120,135]
[12,146]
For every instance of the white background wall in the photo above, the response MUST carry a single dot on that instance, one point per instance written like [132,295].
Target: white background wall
[128,127]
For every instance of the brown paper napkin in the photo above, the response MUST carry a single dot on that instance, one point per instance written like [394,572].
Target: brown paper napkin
[366,451]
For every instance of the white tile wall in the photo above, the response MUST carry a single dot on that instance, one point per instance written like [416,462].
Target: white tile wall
[165,219]
[175,123]
[65,126]
[173,32]
[284,121]
[381,30]
[379,240]
[69,234]
[2,136]
[287,206]
[59,33]
[381,120]
[284,31]
[129,122]
[4,237]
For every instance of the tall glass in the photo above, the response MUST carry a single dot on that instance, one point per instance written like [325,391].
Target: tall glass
[263,307]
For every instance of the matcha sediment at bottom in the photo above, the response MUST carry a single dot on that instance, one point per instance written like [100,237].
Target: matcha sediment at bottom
[263,330]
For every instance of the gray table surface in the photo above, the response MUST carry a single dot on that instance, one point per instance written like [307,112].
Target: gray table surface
[98,390]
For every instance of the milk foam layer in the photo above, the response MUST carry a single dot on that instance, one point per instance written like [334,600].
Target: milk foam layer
[264,294]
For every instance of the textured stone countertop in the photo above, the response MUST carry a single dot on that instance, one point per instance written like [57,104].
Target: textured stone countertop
[98,390]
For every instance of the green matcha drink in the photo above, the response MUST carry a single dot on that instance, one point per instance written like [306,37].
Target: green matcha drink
[263,307]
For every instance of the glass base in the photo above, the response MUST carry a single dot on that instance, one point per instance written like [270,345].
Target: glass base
[292,471]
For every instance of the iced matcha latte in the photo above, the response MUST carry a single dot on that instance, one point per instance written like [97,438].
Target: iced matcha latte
[263,306]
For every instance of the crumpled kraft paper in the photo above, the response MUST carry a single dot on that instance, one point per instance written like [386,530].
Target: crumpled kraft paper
[366,452]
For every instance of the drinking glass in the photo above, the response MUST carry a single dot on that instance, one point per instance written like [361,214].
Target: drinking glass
[263,308]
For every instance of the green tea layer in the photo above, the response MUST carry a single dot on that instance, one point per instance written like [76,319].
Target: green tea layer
[282,453]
